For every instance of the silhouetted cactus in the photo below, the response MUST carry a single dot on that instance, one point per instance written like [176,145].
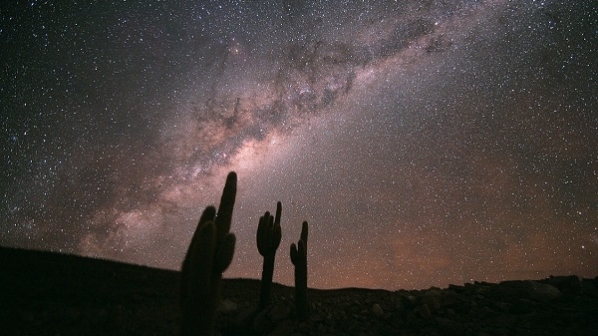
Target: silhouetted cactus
[299,259]
[209,254]
[268,240]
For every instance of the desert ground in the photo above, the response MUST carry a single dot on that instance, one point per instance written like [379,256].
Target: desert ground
[44,293]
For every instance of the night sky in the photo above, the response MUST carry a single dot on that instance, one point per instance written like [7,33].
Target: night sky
[425,142]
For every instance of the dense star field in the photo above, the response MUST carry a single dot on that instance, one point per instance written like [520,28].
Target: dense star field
[425,142]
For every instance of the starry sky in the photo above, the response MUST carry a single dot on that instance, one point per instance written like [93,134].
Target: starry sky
[425,142]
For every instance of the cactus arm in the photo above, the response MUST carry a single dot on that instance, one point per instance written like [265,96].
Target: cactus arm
[225,209]
[304,231]
[294,254]
[277,233]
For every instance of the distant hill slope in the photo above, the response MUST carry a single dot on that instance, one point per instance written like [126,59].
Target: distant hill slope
[44,292]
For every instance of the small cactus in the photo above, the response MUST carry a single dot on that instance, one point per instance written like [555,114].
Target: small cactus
[268,240]
[209,255]
[299,259]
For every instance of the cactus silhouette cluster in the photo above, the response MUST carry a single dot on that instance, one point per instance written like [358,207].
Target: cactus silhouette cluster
[299,259]
[211,252]
[268,239]
[209,255]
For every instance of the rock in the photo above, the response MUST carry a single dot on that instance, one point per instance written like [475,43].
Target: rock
[450,327]
[262,322]
[589,288]
[502,306]
[566,284]
[280,312]
[525,289]
[227,306]
[424,311]
[283,328]
[303,328]
[244,320]
[511,289]
[377,310]
[456,288]
[544,292]
[521,306]
[432,299]
[399,305]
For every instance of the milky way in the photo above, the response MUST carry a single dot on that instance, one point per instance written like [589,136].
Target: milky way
[425,142]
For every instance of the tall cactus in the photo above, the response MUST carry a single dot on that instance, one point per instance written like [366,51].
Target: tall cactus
[209,255]
[299,259]
[268,240]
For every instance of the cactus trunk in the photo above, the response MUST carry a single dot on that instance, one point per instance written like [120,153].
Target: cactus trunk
[268,239]
[299,259]
[199,314]
[209,255]
[301,308]
[266,284]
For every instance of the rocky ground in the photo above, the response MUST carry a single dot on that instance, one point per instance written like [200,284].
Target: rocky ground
[50,294]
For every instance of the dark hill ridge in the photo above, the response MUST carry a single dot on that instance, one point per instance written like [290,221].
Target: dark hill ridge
[44,293]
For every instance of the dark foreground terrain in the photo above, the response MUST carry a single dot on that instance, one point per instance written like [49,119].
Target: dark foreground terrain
[45,293]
